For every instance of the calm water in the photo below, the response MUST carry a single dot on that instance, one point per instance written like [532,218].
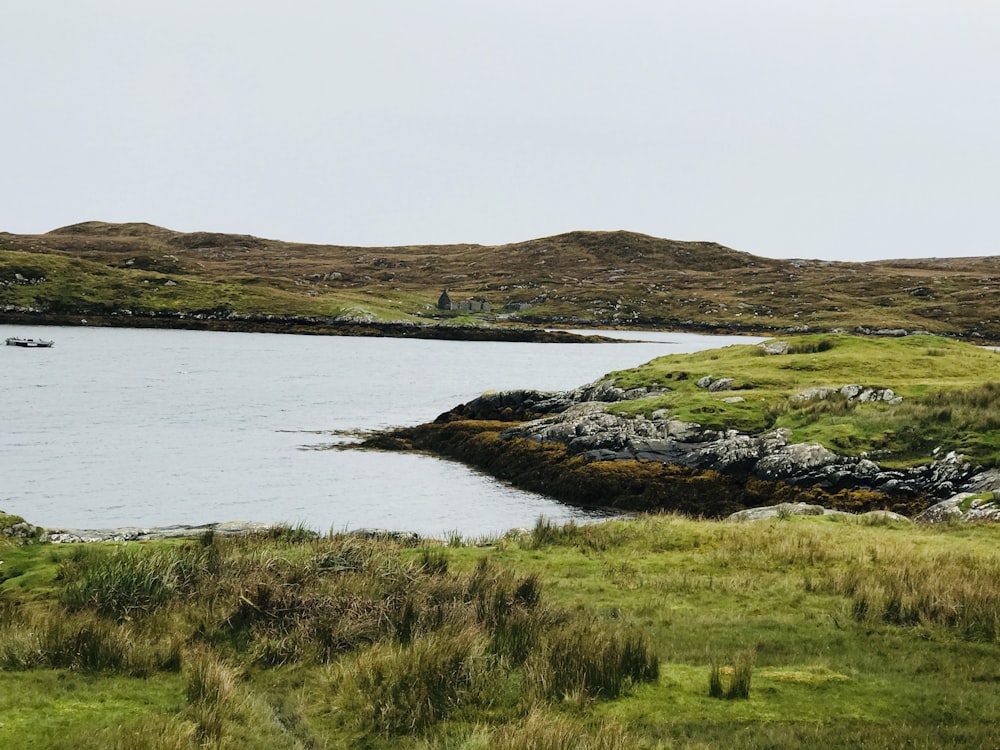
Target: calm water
[116,427]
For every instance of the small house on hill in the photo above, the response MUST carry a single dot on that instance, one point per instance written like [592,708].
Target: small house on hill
[445,302]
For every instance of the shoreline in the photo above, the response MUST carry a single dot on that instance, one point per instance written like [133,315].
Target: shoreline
[548,332]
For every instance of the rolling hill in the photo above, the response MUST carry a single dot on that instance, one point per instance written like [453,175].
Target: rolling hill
[577,278]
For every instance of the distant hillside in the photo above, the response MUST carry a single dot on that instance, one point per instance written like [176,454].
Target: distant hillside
[578,278]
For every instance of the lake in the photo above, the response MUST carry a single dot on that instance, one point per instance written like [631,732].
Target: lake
[139,427]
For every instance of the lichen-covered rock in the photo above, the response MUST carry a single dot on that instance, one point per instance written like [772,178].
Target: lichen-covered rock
[781,510]
[878,516]
[586,429]
[793,458]
[16,528]
[964,506]
[815,394]
[772,348]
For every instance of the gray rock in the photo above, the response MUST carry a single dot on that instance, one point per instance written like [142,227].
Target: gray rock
[816,394]
[963,506]
[22,530]
[722,384]
[578,420]
[792,459]
[877,516]
[406,538]
[772,348]
[851,391]
[141,534]
[778,511]
[890,332]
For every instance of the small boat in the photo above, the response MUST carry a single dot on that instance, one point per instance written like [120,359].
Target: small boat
[31,343]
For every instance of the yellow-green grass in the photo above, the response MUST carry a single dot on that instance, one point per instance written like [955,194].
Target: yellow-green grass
[782,595]
[596,278]
[950,393]
[73,285]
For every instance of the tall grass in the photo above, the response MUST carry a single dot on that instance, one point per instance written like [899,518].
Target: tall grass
[123,584]
[583,660]
[546,731]
[731,682]
[396,689]
[957,591]
[213,693]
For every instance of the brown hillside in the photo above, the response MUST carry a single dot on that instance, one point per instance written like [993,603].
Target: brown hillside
[579,277]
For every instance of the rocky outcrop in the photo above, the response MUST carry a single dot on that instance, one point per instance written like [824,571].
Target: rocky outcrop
[786,510]
[782,510]
[226,528]
[140,534]
[639,463]
[588,430]
[20,530]
[964,506]
[528,404]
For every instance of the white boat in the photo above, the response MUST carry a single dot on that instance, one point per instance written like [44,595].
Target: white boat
[30,343]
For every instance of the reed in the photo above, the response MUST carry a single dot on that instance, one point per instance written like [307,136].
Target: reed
[591,660]
[122,584]
[394,690]
[956,591]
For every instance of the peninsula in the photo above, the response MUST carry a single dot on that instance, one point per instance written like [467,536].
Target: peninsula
[845,422]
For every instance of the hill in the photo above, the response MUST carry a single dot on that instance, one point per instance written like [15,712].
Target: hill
[578,278]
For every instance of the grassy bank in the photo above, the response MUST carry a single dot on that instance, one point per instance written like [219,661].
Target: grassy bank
[949,391]
[660,632]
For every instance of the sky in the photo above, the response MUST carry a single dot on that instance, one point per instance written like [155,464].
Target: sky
[842,130]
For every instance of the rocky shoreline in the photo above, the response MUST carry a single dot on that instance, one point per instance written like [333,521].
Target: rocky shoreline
[309,326]
[18,529]
[572,448]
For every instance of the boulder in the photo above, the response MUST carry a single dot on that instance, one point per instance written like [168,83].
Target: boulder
[772,348]
[880,516]
[722,384]
[782,510]
[963,506]
[815,394]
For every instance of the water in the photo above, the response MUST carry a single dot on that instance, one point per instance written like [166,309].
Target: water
[116,427]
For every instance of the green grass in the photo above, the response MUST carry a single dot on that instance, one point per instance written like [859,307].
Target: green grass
[822,632]
[950,392]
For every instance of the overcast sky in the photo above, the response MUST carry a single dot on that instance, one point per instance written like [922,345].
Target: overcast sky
[846,130]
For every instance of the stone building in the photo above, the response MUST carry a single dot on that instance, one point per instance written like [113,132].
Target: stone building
[445,302]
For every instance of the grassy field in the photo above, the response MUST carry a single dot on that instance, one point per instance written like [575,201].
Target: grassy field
[578,278]
[660,632]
